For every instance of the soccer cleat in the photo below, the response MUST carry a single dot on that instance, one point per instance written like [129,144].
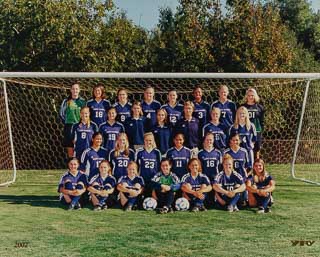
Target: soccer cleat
[260,210]
[71,207]
[164,210]
[202,208]
[104,207]
[128,208]
[195,209]
[267,210]
[230,208]
[97,208]
[235,208]
[77,206]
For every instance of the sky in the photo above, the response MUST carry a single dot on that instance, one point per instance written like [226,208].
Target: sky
[146,12]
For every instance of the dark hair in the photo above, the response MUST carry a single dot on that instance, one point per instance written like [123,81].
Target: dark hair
[73,159]
[103,96]
[166,160]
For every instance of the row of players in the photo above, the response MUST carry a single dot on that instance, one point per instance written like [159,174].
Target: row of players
[228,187]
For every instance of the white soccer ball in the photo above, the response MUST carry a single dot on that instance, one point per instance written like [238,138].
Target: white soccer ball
[149,204]
[182,204]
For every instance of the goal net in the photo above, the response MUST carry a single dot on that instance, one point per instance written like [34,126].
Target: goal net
[292,102]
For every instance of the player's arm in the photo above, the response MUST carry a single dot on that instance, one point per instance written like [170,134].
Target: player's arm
[186,187]
[239,189]
[250,187]
[218,188]
[270,187]
[205,188]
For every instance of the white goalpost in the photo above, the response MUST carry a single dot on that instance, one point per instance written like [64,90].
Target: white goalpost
[31,100]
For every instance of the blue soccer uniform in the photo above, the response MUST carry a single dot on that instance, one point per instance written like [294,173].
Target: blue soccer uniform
[135,129]
[240,160]
[163,137]
[179,159]
[90,160]
[123,111]
[262,201]
[190,130]
[210,162]
[98,110]
[150,112]
[201,112]
[174,112]
[110,133]
[219,134]
[228,112]
[120,163]
[130,184]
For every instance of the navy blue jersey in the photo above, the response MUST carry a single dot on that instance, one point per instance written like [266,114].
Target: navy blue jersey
[210,162]
[98,110]
[110,133]
[261,184]
[201,112]
[131,182]
[149,163]
[174,112]
[256,115]
[196,182]
[179,159]
[123,111]
[163,137]
[228,112]
[171,180]
[190,130]
[240,160]
[228,183]
[74,179]
[90,160]
[120,163]
[219,133]
[135,130]
[102,182]
[247,137]
[150,112]
[82,136]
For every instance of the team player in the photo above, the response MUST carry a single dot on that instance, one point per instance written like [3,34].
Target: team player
[101,186]
[82,132]
[148,159]
[227,107]
[201,107]
[70,114]
[111,129]
[256,116]
[179,156]
[210,158]
[150,107]
[98,105]
[246,131]
[135,126]
[123,106]
[173,108]
[165,184]
[217,129]
[91,157]
[121,156]
[72,185]
[130,187]
[260,186]
[228,185]
[195,186]
[162,131]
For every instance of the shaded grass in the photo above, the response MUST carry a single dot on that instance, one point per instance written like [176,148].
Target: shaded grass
[30,212]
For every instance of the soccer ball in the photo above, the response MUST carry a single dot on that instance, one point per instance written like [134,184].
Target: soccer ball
[149,204]
[182,204]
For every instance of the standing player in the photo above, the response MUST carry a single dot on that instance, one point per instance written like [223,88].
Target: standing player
[70,114]
[130,187]
[82,132]
[111,129]
[217,129]
[195,186]
[227,107]
[179,156]
[256,116]
[165,184]
[150,107]
[228,185]
[101,186]
[91,157]
[260,185]
[121,156]
[123,106]
[72,185]
[173,108]
[98,105]
[201,107]
[162,131]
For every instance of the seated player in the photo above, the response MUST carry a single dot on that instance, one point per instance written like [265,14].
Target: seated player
[173,108]
[228,185]
[162,131]
[195,186]
[123,106]
[260,185]
[165,184]
[149,108]
[72,185]
[130,187]
[201,107]
[101,186]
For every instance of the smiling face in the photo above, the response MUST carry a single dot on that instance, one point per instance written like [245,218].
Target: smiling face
[165,167]
[194,167]
[197,94]
[178,141]
[235,141]
[148,141]
[97,141]
[188,110]
[132,170]
[172,97]
[228,166]
[223,93]
[148,94]
[122,96]
[112,114]
[122,141]
[161,116]
[215,115]
[258,167]
[85,114]
[251,97]
[242,114]
[73,166]
[104,168]
[208,141]
[136,110]
[75,90]
[97,92]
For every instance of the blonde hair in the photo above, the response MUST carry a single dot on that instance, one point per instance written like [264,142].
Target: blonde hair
[227,157]
[154,145]
[189,103]
[137,103]
[117,150]
[165,115]
[256,97]
[195,160]
[83,108]
[247,120]
[224,86]
[216,109]
[256,177]
[132,163]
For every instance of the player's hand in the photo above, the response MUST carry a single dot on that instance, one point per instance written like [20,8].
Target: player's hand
[199,195]
[165,188]
[133,193]
[231,194]
[104,193]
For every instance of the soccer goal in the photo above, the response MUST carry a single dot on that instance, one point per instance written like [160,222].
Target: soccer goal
[291,133]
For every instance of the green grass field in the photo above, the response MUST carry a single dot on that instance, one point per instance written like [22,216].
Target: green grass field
[33,224]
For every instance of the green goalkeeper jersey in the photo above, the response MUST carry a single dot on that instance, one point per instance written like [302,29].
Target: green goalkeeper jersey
[70,110]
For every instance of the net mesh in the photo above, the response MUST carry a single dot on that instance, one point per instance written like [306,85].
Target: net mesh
[37,130]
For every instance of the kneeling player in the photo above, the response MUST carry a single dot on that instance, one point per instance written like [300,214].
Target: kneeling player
[195,185]
[260,185]
[228,185]
[165,184]
[101,186]
[72,185]
[130,187]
